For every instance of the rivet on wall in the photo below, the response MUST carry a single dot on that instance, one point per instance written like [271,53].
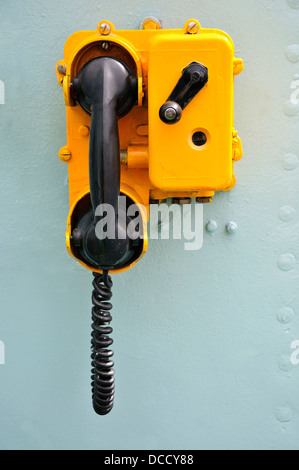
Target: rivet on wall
[284,414]
[231,227]
[290,161]
[286,262]
[293,3]
[284,363]
[291,108]
[285,315]
[292,53]
[211,226]
[287,213]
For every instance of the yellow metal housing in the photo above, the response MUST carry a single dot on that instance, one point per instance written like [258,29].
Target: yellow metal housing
[175,163]
[159,161]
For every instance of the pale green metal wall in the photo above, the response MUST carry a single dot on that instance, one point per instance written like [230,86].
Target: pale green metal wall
[202,339]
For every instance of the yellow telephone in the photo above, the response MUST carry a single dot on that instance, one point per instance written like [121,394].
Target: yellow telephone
[149,117]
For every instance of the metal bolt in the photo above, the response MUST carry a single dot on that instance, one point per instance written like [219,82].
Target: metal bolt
[157,201]
[197,76]
[181,200]
[170,114]
[192,27]
[65,154]
[62,69]
[124,157]
[84,131]
[105,46]
[150,23]
[204,200]
[105,29]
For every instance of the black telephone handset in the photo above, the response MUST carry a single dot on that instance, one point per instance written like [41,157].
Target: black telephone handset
[106,88]
[109,88]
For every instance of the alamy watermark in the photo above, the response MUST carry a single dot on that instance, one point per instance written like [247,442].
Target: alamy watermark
[295,355]
[295,93]
[165,222]
[2,353]
[2,345]
[2,92]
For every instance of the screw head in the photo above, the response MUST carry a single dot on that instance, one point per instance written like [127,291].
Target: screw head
[196,76]
[84,131]
[192,27]
[61,69]
[170,114]
[105,29]
[105,46]
[65,154]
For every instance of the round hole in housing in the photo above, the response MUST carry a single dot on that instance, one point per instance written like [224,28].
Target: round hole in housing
[199,138]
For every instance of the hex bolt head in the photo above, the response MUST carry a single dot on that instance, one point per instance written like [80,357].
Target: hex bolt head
[192,27]
[104,29]
[150,23]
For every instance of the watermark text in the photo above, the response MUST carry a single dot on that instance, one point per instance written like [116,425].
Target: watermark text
[295,354]
[2,353]
[2,92]
[165,222]
[295,93]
